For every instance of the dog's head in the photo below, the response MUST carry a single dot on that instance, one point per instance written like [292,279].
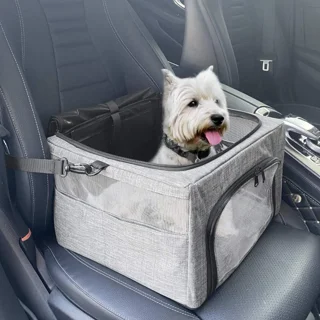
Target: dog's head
[195,110]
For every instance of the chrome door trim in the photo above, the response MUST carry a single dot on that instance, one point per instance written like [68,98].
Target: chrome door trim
[179,4]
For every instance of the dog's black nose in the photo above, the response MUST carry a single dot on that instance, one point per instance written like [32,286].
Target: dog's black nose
[217,119]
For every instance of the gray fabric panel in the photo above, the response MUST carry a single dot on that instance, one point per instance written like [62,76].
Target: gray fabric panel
[157,219]
[151,257]
[129,202]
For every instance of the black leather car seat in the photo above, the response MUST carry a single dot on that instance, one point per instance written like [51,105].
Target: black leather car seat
[10,308]
[228,33]
[233,27]
[57,55]
[243,29]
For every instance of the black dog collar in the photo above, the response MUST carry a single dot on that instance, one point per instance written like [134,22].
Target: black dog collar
[192,156]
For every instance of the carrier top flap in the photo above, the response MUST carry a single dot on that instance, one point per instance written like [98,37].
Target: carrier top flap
[70,119]
[177,177]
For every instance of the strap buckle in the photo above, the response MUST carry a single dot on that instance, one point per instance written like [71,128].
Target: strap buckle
[90,170]
[65,167]
[266,64]
[80,168]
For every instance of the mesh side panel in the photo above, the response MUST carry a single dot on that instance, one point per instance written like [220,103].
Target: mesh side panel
[239,128]
[242,222]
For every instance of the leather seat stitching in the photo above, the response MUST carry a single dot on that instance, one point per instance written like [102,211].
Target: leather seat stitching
[33,114]
[23,40]
[307,195]
[149,297]
[220,41]
[106,10]
[155,48]
[81,289]
[24,151]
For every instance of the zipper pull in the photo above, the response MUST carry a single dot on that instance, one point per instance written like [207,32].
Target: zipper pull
[263,177]
[256,179]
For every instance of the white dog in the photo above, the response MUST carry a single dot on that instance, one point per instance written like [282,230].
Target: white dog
[195,118]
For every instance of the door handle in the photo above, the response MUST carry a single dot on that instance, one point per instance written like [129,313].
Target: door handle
[180,4]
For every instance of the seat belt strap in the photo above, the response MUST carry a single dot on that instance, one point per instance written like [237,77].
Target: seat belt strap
[268,54]
[116,118]
[48,166]
[59,166]
[54,166]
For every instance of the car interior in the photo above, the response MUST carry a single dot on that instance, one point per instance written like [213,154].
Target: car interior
[59,55]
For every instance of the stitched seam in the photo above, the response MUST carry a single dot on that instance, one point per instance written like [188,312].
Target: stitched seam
[300,214]
[82,290]
[307,198]
[140,174]
[123,44]
[23,39]
[34,117]
[220,41]
[47,202]
[1,113]
[152,229]
[307,195]
[16,129]
[158,55]
[106,69]
[54,54]
[128,286]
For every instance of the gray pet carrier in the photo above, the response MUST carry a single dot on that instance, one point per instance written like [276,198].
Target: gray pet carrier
[181,231]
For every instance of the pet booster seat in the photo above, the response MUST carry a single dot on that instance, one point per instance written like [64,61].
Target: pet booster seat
[179,230]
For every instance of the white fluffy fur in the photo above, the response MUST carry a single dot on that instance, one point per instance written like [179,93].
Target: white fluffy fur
[182,123]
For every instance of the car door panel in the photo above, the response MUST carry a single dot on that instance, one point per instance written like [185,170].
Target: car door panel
[301,191]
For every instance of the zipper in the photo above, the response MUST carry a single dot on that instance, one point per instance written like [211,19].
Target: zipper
[150,165]
[257,173]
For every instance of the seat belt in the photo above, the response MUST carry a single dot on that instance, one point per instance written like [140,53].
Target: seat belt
[267,58]
[47,166]
[268,54]
[54,166]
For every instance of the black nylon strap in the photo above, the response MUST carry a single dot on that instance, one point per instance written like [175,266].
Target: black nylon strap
[268,29]
[57,167]
[115,115]
[46,166]
[268,57]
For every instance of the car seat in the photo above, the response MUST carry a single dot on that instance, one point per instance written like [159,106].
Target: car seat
[57,55]
[230,35]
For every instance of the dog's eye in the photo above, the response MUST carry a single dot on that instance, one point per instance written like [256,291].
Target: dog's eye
[217,102]
[193,104]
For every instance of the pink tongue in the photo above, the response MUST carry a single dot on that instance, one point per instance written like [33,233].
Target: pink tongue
[213,137]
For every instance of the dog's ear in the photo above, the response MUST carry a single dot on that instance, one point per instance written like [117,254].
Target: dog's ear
[210,68]
[168,77]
